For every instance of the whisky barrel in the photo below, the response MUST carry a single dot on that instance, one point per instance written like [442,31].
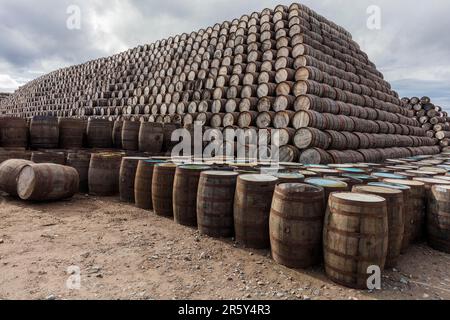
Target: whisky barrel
[438,222]
[71,133]
[9,155]
[9,172]
[329,186]
[315,156]
[252,203]
[151,137]
[215,199]
[395,204]
[127,177]
[47,182]
[143,183]
[306,138]
[296,224]
[13,133]
[185,189]
[355,237]
[117,134]
[169,129]
[385,175]
[44,132]
[288,153]
[162,189]
[290,177]
[104,170]
[49,157]
[99,133]
[80,161]
[130,135]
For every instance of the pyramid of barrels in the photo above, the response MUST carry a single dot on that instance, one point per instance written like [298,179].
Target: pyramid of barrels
[432,118]
[288,70]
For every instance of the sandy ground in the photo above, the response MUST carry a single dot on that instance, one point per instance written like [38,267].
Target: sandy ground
[126,253]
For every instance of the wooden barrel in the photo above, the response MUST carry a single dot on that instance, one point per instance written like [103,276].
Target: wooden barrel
[315,156]
[99,133]
[127,178]
[103,176]
[151,137]
[296,224]
[143,183]
[438,222]
[9,172]
[407,210]
[306,138]
[254,193]
[71,133]
[394,199]
[355,237]
[49,157]
[80,161]
[385,175]
[289,177]
[162,189]
[13,133]
[329,185]
[185,194]
[130,135]
[215,199]
[117,134]
[44,132]
[417,205]
[47,182]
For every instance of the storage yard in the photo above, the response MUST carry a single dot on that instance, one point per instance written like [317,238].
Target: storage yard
[362,177]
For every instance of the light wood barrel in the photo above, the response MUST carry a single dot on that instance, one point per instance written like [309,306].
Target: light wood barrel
[215,199]
[162,189]
[254,193]
[9,172]
[143,184]
[438,222]
[355,237]
[47,182]
[104,171]
[185,194]
[127,177]
[395,204]
[296,224]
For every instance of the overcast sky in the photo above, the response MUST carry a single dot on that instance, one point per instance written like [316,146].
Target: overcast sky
[412,48]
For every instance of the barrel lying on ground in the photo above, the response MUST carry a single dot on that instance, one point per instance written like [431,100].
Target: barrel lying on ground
[254,193]
[47,182]
[216,191]
[296,224]
[9,172]
[355,237]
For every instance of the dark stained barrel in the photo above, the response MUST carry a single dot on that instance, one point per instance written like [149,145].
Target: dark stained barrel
[9,172]
[13,133]
[130,135]
[54,157]
[71,133]
[296,224]
[127,177]
[151,137]
[80,161]
[10,155]
[395,205]
[355,237]
[117,134]
[44,132]
[104,171]
[162,189]
[438,222]
[143,183]
[47,182]
[185,194]
[290,177]
[329,185]
[254,193]
[215,198]
[99,133]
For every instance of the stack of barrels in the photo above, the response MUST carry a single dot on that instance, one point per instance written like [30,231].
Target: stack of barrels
[432,118]
[286,70]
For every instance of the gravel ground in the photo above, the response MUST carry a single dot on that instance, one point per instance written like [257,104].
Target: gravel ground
[121,252]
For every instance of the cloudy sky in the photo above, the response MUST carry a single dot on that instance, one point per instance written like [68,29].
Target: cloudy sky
[411,48]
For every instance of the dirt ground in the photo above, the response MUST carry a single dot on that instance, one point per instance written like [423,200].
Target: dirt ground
[126,253]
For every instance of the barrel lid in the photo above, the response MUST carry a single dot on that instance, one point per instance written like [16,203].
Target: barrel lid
[405,182]
[26,182]
[316,166]
[220,173]
[351,170]
[378,190]
[307,173]
[358,197]
[135,158]
[194,167]
[445,178]
[358,176]
[288,175]
[258,178]
[419,172]
[432,181]
[433,169]
[327,183]
[340,166]
[327,171]
[387,175]
[444,166]
[166,165]
[389,185]
[296,188]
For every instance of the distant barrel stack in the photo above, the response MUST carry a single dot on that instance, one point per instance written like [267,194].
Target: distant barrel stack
[288,70]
